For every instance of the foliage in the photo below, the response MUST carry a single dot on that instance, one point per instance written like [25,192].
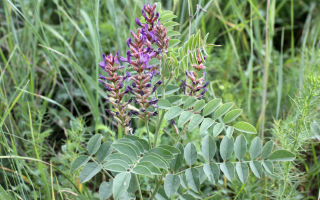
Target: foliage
[56,131]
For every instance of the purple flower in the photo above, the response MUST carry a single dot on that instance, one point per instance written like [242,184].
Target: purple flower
[138,22]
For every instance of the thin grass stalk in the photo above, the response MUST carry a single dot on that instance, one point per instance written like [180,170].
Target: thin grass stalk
[265,73]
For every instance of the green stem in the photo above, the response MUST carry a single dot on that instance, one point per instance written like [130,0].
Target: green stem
[158,128]
[148,132]
[156,189]
[140,193]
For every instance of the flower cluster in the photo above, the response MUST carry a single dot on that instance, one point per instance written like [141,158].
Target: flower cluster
[140,54]
[152,32]
[114,84]
[197,86]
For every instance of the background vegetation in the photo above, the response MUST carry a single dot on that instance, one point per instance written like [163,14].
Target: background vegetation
[50,101]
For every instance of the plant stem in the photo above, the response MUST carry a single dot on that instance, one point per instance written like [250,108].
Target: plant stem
[158,128]
[140,194]
[156,189]
[148,132]
[265,73]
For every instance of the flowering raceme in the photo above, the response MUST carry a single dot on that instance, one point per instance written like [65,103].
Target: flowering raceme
[197,86]
[138,57]
[114,84]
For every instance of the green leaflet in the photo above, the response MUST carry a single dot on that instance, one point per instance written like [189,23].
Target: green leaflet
[120,184]
[211,106]
[208,148]
[226,148]
[171,184]
[190,154]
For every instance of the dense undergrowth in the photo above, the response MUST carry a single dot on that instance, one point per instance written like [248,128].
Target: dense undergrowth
[51,101]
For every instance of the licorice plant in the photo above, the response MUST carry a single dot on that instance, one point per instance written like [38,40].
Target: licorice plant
[190,137]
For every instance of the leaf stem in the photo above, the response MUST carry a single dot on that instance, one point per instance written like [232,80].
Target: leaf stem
[140,193]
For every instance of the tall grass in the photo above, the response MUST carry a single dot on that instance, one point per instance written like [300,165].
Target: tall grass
[50,99]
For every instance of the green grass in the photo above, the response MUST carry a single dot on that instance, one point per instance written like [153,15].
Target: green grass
[51,101]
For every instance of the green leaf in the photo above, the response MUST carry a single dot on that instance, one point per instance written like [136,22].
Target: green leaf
[208,148]
[104,150]
[142,170]
[232,115]
[126,149]
[119,156]
[240,147]
[255,148]
[245,127]
[194,122]
[164,153]
[226,148]
[173,150]
[256,168]
[211,106]
[151,167]
[223,109]
[143,142]
[164,104]
[268,166]
[116,166]
[120,184]
[228,170]
[217,129]
[192,177]
[282,155]
[267,149]
[105,190]
[94,144]
[229,131]
[190,154]
[212,171]
[89,171]
[171,184]
[199,105]
[189,102]
[184,117]
[177,162]
[156,160]
[79,162]
[242,171]
[137,148]
[206,123]
[172,113]
[173,42]
[173,33]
